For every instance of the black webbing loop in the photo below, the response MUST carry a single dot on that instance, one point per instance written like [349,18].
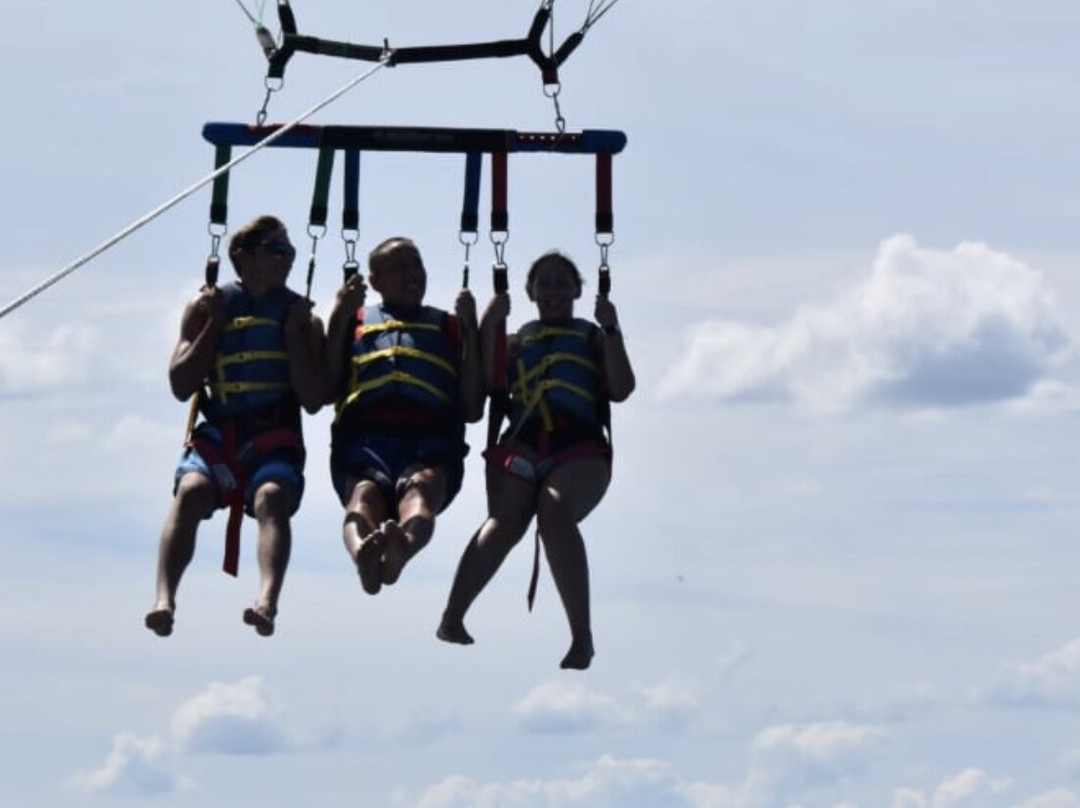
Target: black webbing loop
[605,218]
[320,197]
[219,201]
[350,211]
[470,205]
[531,46]
[500,218]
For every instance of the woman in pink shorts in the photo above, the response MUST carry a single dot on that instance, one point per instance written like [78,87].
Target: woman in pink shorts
[554,460]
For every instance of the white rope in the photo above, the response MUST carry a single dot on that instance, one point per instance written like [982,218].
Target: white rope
[160,209]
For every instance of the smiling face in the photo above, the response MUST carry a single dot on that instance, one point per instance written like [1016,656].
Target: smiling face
[554,284]
[262,256]
[397,273]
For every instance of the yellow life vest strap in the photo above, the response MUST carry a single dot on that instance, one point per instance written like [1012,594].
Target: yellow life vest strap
[399,325]
[222,390]
[403,350]
[394,376]
[547,361]
[249,356]
[236,323]
[553,331]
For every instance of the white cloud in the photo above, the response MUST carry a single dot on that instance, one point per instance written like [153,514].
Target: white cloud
[560,706]
[29,365]
[670,702]
[1059,798]
[827,743]
[606,782]
[564,707]
[1053,680]
[134,766]
[969,787]
[787,760]
[928,328]
[234,719]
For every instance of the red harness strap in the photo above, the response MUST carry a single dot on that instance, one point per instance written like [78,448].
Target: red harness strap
[238,462]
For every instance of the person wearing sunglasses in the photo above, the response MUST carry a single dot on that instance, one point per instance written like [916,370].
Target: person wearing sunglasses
[251,353]
[405,378]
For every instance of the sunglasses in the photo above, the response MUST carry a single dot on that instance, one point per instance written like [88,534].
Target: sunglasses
[277,247]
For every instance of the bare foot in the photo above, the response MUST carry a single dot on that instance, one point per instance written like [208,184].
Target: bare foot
[369,562]
[160,621]
[579,656]
[396,552]
[262,618]
[453,630]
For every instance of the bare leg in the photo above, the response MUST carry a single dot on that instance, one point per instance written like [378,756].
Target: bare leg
[271,508]
[365,511]
[510,505]
[422,499]
[569,494]
[196,497]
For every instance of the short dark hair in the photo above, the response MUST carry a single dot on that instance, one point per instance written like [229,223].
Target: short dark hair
[248,236]
[555,255]
[387,246]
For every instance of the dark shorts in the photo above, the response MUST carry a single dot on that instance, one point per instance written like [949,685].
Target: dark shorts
[285,467]
[388,458]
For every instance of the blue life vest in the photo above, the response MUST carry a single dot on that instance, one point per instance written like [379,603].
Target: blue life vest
[403,357]
[250,376]
[554,371]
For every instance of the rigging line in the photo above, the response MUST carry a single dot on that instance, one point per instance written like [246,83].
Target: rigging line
[160,209]
[596,11]
[248,14]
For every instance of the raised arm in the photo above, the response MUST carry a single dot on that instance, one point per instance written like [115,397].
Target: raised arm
[472,388]
[200,330]
[494,316]
[339,329]
[618,374]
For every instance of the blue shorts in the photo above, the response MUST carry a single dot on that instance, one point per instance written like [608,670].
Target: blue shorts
[388,460]
[279,466]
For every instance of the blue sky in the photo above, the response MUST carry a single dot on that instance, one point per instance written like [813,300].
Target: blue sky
[837,563]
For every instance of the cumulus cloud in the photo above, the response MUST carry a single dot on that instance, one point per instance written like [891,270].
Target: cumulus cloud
[560,706]
[31,365]
[135,766]
[1058,798]
[970,787]
[606,783]
[927,329]
[794,755]
[232,719]
[224,719]
[1051,681]
[565,707]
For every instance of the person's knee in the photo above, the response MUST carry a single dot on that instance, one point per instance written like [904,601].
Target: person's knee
[272,500]
[196,496]
[552,514]
[365,497]
[423,492]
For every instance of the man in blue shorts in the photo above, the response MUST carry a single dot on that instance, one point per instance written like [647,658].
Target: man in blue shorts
[253,353]
[405,378]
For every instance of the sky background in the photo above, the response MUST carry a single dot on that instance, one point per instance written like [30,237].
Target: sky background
[836,566]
